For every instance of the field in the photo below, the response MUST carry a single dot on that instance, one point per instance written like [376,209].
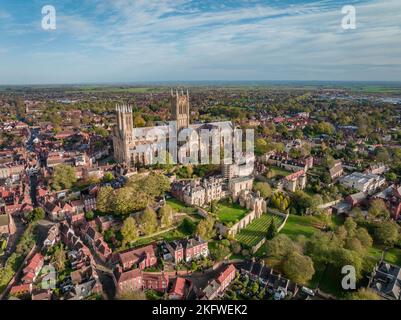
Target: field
[230,213]
[256,230]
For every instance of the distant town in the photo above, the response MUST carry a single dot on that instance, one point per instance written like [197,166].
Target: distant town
[87,213]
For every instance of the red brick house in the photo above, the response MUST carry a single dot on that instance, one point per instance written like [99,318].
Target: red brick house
[177,291]
[225,278]
[135,279]
[102,249]
[155,281]
[188,249]
[216,287]
[142,257]
[127,281]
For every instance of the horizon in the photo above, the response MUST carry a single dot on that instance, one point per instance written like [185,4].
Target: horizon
[207,82]
[94,42]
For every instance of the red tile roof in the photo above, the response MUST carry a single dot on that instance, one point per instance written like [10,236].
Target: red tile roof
[178,287]
[226,273]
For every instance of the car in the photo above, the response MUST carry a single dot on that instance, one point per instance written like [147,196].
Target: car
[308,291]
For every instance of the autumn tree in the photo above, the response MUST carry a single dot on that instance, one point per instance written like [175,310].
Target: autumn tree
[132,295]
[298,268]
[59,258]
[386,233]
[64,177]
[378,209]
[166,215]
[123,201]
[364,294]
[105,199]
[205,228]
[129,231]
[148,221]
[264,189]
[279,247]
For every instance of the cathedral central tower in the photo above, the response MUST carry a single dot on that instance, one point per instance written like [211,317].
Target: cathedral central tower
[180,109]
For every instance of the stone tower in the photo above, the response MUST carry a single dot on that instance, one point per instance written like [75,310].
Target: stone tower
[180,109]
[123,138]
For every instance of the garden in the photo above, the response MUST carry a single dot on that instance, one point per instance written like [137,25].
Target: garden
[230,213]
[256,230]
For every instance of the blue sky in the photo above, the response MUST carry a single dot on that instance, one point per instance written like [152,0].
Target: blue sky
[147,40]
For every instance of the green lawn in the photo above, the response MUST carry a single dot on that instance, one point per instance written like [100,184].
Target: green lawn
[180,232]
[179,206]
[230,212]
[256,230]
[393,256]
[301,225]
[279,172]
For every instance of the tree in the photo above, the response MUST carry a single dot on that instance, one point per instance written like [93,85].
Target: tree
[343,257]
[108,176]
[235,247]
[139,121]
[378,209]
[364,294]
[354,244]
[205,228]
[279,247]
[386,233]
[272,231]
[36,214]
[364,237]
[350,225]
[129,231]
[166,215]
[59,258]
[63,177]
[105,199]
[221,251]
[123,201]
[264,189]
[148,221]
[89,215]
[298,268]
[132,295]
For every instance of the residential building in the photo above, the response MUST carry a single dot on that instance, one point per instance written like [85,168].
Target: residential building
[217,286]
[386,281]
[188,249]
[143,257]
[363,182]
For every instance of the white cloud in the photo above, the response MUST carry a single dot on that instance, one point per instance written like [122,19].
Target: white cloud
[162,40]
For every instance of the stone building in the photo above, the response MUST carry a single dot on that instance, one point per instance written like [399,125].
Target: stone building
[236,185]
[295,181]
[198,192]
[137,145]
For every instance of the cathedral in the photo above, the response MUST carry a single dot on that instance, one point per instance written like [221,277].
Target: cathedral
[136,146]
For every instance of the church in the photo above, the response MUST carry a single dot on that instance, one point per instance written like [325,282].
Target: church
[136,146]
